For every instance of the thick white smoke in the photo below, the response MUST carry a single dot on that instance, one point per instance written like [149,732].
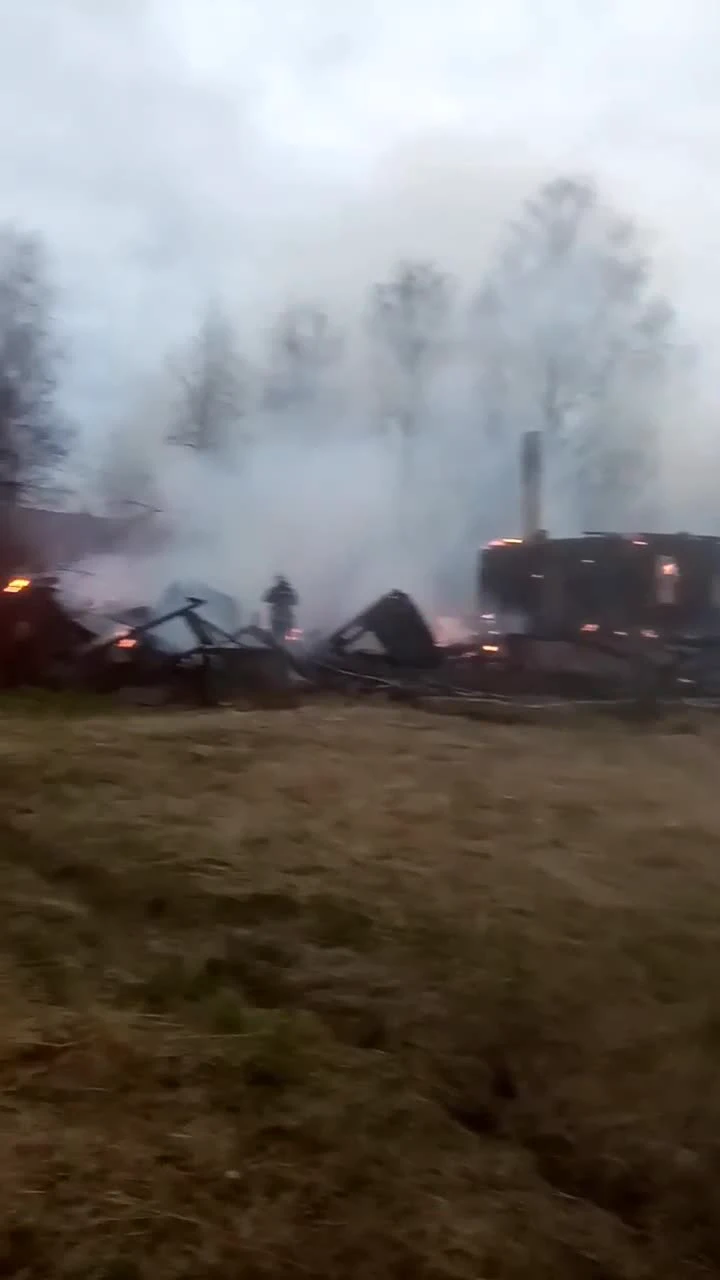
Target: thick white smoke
[344,511]
[338,516]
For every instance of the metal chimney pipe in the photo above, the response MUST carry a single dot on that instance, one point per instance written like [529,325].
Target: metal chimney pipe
[531,480]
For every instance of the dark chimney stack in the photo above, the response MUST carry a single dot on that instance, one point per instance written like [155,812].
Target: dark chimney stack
[531,478]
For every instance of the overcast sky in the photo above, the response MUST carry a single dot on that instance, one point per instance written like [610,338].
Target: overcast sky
[268,149]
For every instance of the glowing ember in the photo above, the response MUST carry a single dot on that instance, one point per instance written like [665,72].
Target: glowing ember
[126,642]
[15,585]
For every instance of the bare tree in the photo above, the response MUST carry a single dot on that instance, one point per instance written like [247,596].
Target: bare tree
[125,481]
[305,349]
[210,388]
[33,436]
[571,339]
[127,478]
[408,326]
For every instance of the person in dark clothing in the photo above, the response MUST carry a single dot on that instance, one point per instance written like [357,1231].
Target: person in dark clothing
[282,600]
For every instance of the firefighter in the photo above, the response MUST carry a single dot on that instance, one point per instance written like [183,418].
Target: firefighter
[281,600]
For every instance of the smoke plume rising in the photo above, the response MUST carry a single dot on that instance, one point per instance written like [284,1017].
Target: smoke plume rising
[202,148]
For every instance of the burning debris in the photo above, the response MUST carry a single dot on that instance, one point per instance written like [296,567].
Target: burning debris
[604,616]
[191,644]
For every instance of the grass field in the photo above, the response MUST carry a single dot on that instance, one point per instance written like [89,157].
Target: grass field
[357,992]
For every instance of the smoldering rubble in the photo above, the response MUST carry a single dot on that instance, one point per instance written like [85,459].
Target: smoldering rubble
[195,645]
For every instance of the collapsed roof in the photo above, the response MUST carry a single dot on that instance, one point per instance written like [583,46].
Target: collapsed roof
[176,630]
[392,628]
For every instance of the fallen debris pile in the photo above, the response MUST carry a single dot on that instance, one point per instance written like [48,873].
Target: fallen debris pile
[191,646]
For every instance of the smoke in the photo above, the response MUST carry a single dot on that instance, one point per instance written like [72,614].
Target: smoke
[333,513]
[263,157]
[345,512]
[348,511]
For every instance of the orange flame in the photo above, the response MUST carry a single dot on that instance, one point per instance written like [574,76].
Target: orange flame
[15,585]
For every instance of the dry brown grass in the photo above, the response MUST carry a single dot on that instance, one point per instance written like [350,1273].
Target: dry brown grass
[357,993]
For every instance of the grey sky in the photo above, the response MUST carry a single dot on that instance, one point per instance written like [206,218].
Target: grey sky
[267,149]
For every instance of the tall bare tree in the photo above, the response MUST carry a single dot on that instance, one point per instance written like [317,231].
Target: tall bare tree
[33,435]
[209,399]
[125,481]
[571,338]
[304,351]
[408,319]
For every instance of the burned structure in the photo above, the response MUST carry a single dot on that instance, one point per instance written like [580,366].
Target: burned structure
[601,615]
[188,645]
[602,609]
[392,631]
[664,585]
